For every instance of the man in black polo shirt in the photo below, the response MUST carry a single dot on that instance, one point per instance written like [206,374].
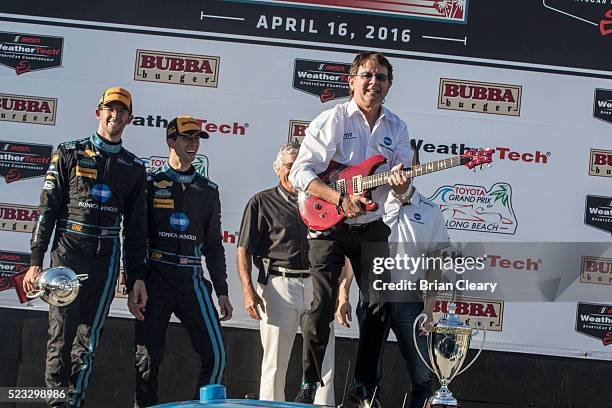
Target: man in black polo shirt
[273,235]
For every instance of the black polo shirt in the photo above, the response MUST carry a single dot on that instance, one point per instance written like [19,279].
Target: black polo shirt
[272,228]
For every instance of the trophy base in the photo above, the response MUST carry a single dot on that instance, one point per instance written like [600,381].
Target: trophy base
[428,404]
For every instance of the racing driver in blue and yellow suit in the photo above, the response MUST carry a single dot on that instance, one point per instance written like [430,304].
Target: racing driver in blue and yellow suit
[184,218]
[92,186]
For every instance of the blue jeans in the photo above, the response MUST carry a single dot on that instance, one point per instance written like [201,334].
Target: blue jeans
[402,316]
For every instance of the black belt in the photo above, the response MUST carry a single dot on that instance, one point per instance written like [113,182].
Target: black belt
[360,227]
[288,273]
[175,259]
[87,229]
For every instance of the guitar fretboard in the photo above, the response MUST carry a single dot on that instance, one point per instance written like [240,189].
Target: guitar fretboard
[379,179]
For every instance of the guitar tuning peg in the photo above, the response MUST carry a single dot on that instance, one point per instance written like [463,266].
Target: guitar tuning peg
[489,164]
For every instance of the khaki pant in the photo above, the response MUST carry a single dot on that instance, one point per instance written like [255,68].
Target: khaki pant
[286,301]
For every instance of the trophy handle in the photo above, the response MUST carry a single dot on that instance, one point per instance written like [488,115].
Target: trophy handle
[82,277]
[484,337]
[35,293]
[414,330]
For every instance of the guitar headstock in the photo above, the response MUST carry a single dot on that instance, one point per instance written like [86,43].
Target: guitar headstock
[473,158]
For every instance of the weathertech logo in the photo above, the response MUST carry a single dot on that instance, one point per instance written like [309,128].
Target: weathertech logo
[598,212]
[157,121]
[28,109]
[602,105]
[481,97]
[490,312]
[597,270]
[500,153]
[12,263]
[297,131]
[19,218]
[324,79]
[600,163]
[178,69]
[595,320]
[30,52]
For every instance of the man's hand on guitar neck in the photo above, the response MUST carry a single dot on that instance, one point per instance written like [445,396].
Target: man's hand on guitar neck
[399,182]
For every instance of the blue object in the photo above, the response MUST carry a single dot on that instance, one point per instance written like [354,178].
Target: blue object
[213,396]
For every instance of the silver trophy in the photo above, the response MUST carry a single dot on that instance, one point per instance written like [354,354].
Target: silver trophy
[448,341]
[57,286]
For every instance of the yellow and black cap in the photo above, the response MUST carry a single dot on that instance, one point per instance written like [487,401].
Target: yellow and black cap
[116,94]
[185,126]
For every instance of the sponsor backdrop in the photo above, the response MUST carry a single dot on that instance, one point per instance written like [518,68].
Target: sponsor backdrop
[256,72]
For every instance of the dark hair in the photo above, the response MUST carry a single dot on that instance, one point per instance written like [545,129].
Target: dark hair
[362,57]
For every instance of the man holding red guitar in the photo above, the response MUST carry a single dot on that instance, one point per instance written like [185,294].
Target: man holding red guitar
[348,134]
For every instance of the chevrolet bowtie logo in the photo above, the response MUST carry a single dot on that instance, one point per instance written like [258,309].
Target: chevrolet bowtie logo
[605,26]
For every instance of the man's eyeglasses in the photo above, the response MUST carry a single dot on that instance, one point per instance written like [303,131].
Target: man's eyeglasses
[369,76]
[120,111]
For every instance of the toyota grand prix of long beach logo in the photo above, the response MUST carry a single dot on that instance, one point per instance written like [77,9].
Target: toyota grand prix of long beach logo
[438,10]
[30,52]
[154,163]
[20,161]
[594,13]
[474,208]
[324,79]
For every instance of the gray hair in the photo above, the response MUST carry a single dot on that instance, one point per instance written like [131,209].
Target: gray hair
[288,148]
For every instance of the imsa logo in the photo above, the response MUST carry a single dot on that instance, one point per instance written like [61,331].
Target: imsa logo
[178,69]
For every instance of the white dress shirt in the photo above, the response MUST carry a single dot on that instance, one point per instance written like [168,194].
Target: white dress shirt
[417,228]
[342,134]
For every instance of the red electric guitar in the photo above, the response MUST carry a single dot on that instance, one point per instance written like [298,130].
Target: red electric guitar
[320,215]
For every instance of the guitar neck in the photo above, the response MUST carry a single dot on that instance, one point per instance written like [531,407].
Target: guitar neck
[380,179]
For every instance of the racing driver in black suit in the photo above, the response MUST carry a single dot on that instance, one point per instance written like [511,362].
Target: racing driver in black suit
[184,216]
[91,187]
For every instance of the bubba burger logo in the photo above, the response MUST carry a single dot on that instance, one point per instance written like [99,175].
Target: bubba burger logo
[28,109]
[297,131]
[482,97]
[490,312]
[474,208]
[600,163]
[595,320]
[596,269]
[19,218]
[178,69]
